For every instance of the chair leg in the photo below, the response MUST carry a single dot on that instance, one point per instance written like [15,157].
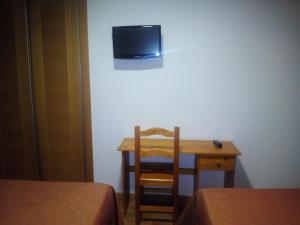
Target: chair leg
[137,218]
[137,206]
[175,205]
[137,215]
[174,214]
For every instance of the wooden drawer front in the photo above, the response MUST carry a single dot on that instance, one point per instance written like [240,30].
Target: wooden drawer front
[216,163]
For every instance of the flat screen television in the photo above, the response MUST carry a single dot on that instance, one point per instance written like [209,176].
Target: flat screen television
[137,42]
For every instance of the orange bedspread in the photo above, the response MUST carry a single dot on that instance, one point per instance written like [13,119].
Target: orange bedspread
[57,203]
[248,207]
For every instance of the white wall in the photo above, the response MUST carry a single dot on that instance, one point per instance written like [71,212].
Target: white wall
[231,71]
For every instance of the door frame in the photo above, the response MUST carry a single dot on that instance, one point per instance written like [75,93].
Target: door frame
[86,97]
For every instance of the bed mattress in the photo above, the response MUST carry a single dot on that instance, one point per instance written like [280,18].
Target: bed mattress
[57,203]
[248,207]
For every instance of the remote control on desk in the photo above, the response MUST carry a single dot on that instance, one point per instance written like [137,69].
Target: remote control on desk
[217,143]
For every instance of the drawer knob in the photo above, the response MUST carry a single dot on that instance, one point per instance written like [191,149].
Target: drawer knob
[218,163]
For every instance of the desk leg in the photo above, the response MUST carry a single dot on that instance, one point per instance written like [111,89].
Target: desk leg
[197,173]
[229,179]
[125,181]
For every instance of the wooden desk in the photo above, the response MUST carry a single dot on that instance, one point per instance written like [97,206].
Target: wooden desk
[207,157]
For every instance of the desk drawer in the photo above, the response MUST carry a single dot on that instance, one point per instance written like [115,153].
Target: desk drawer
[216,163]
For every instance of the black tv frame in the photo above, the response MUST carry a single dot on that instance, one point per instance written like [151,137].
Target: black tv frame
[136,56]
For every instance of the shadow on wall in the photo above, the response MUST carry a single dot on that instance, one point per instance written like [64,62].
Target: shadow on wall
[241,177]
[138,64]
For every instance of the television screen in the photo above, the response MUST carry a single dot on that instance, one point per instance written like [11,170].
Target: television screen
[137,41]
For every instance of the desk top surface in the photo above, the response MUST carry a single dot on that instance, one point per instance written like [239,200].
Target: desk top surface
[201,147]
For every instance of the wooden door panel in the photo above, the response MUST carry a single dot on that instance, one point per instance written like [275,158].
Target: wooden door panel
[56,72]
[18,152]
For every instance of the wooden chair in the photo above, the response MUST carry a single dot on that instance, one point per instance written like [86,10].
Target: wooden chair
[156,176]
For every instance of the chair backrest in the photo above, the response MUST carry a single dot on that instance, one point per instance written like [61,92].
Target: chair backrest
[148,151]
